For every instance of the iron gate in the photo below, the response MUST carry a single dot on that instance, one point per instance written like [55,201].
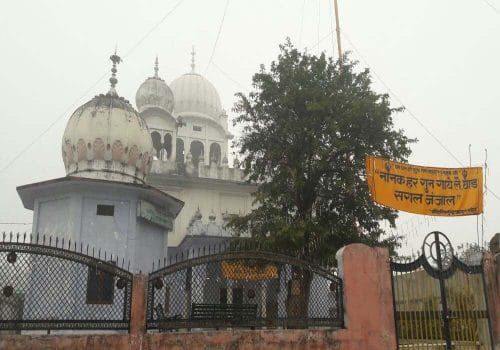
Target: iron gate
[228,288]
[439,301]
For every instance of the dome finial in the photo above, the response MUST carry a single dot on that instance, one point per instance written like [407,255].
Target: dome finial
[193,53]
[115,59]
[156,67]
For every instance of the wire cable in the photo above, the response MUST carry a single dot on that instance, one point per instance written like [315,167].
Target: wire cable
[70,107]
[409,111]
[491,6]
[218,35]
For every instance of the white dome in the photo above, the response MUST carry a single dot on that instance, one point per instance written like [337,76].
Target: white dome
[154,92]
[193,94]
[106,139]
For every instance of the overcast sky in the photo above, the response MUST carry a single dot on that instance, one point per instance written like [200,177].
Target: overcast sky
[440,58]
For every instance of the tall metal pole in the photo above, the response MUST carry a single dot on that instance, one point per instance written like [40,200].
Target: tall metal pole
[445,314]
[337,27]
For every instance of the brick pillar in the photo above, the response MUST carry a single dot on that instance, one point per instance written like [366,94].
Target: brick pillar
[138,311]
[491,269]
[368,303]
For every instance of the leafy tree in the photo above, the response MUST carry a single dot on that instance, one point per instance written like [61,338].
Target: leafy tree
[306,129]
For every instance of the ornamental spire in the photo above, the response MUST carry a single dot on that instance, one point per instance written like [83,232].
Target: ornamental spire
[193,53]
[156,67]
[116,60]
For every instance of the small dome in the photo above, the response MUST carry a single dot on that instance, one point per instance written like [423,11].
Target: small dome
[154,92]
[193,94]
[106,139]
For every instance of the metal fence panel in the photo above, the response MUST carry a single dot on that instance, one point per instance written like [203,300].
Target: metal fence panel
[51,287]
[243,289]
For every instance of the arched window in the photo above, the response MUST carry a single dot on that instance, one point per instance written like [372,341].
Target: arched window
[156,137]
[196,150]
[215,153]
[179,151]
[167,144]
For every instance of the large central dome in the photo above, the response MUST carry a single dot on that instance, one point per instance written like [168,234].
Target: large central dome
[195,95]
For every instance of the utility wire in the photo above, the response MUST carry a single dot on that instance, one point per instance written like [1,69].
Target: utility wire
[67,110]
[229,77]
[62,115]
[491,6]
[148,33]
[408,110]
[218,35]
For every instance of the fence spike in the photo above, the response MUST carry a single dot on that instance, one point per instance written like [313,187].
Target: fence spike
[128,268]
[203,250]
[105,257]
[31,238]
[24,237]
[111,257]
[209,249]
[3,236]
[123,262]
[182,255]
[159,263]
[192,253]
[50,240]
[170,260]
[175,257]
[10,236]
[69,244]
[57,240]
[198,251]
[164,261]
[153,268]
[62,243]
[99,253]
[92,251]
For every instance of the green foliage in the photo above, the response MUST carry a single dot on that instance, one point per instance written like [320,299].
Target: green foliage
[307,127]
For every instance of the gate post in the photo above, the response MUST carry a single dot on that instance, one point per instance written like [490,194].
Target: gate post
[368,300]
[138,311]
[491,271]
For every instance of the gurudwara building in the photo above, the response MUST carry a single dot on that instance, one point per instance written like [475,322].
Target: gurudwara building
[141,180]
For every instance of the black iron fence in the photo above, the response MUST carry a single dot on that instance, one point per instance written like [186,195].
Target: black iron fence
[48,284]
[227,288]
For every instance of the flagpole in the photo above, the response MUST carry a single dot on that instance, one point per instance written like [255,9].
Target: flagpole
[339,46]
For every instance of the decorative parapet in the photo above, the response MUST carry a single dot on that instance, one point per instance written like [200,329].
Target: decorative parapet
[212,171]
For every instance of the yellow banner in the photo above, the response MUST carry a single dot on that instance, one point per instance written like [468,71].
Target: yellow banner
[425,190]
[241,271]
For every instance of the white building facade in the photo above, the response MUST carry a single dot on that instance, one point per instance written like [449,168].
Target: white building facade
[190,136]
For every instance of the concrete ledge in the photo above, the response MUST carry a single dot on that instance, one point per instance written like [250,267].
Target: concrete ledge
[217,340]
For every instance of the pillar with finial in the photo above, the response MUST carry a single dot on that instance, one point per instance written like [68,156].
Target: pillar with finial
[156,67]
[116,60]
[193,53]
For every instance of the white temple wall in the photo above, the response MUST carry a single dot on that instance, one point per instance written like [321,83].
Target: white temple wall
[219,200]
